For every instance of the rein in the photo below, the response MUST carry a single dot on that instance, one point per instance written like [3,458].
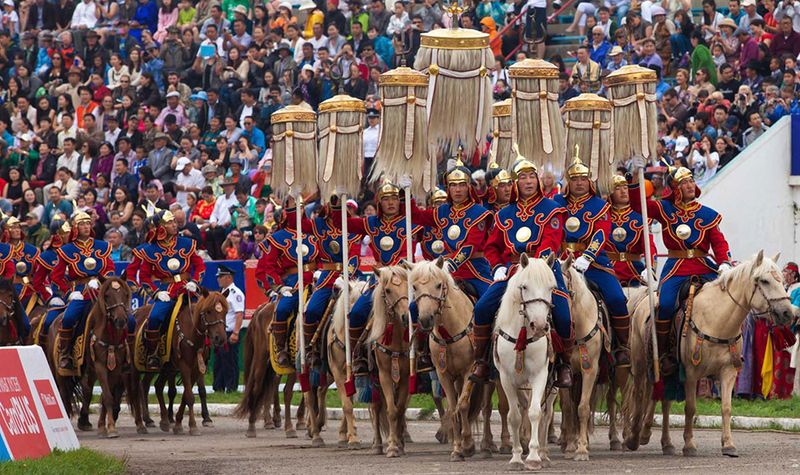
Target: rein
[388,338]
[444,338]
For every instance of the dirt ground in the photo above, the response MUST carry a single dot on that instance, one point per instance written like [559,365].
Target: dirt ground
[224,449]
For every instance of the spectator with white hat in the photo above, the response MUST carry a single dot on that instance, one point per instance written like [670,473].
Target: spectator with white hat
[188,179]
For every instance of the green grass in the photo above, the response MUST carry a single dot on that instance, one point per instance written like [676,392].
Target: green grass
[78,462]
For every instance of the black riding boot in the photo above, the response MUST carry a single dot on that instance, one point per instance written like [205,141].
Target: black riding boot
[666,358]
[563,365]
[622,329]
[480,372]
[65,349]
[151,340]
[312,351]
[424,363]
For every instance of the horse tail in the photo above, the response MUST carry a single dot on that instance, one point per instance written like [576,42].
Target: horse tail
[634,409]
[260,373]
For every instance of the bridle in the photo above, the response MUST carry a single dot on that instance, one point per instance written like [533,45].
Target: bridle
[440,300]
[523,309]
[749,308]
[393,307]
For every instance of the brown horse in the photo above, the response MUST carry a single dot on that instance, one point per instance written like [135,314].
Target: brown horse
[10,315]
[111,355]
[389,332]
[261,381]
[195,322]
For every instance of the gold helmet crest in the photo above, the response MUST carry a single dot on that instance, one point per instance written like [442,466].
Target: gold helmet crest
[81,217]
[387,188]
[618,180]
[521,164]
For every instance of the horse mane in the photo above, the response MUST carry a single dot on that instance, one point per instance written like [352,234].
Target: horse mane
[426,270]
[379,305]
[537,274]
[744,270]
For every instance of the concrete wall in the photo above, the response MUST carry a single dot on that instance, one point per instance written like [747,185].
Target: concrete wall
[758,198]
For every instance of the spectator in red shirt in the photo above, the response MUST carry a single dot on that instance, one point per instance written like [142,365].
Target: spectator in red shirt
[787,41]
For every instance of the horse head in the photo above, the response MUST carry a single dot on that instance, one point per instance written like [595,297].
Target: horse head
[431,285]
[113,302]
[212,309]
[530,290]
[761,280]
[390,299]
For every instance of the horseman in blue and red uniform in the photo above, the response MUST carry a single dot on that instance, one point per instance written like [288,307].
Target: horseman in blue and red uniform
[499,189]
[588,229]
[24,259]
[387,232]
[43,282]
[431,242]
[463,225]
[170,269]
[81,262]
[691,230]
[277,272]
[328,264]
[531,224]
[627,237]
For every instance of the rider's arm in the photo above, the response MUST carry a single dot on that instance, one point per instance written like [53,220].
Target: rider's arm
[602,229]
[268,275]
[59,275]
[40,275]
[654,208]
[719,245]
[552,235]
[291,221]
[495,248]
[424,217]
[474,242]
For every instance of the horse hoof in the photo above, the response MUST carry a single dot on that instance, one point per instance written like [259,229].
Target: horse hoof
[317,442]
[392,453]
[441,436]
[208,423]
[149,423]
[269,425]
[486,454]
[291,434]
[516,466]
[113,434]
[468,451]
[354,445]
[581,457]
[456,457]
[407,438]
[177,430]
[250,434]
[616,445]
[141,430]
[505,449]
[85,426]
[165,426]
[342,444]
[668,450]
[194,431]
[632,444]
[377,450]
[101,432]
[300,426]
[729,452]
[533,465]
[546,463]
[552,439]
[644,440]
[689,452]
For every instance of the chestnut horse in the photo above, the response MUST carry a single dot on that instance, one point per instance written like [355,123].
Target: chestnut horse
[10,315]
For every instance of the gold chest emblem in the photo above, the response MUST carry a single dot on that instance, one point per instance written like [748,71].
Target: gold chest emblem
[683,231]
[523,234]
[90,263]
[386,243]
[173,264]
[335,247]
[619,234]
[437,246]
[304,250]
[572,224]
[453,232]
[21,267]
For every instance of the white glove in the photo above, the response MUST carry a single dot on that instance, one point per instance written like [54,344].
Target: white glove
[449,267]
[163,296]
[286,291]
[56,302]
[638,162]
[724,266]
[93,284]
[191,287]
[75,296]
[404,182]
[500,274]
[643,275]
[317,274]
[581,264]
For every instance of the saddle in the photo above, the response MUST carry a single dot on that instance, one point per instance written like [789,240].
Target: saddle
[165,342]
[468,289]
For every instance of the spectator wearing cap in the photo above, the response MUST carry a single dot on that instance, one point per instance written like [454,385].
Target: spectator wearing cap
[36,233]
[226,358]
[371,135]
[787,40]
[160,158]
[211,178]
[235,172]
[173,107]
[188,179]
[616,59]
[750,14]
[174,53]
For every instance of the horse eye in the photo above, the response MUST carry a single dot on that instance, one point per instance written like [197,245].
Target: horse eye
[524,287]
[438,286]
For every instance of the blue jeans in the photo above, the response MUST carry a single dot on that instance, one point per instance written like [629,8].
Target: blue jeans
[668,294]
[317,305]
[487,305]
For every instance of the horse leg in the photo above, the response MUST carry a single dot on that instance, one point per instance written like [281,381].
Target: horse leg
[647,429]
[402,403]
[201,391]
[165,422]
[348,421]
[514,422]
[539,383]
[728,380]
[376,414]
[187,403]
[584,413]
[144,388]
[620,379]
[487,444]
[387,388]
[314,428]
[690,386]
[454,420]
[666,443]
[105,423]
[87,385]
[288,392]
[276,406]
[502,406]
[545,423]
[568,420]
[172,393]
[465,426]
[443,433]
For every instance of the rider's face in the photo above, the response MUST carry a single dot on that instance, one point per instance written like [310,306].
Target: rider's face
[390,205]
[527,184]
[579,186]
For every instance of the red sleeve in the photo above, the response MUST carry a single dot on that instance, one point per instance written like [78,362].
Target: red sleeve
[495,248]
[354,225]
[424,217]
[132,271]
[59,275]
[9,269]
[108,266]
[719,245]
[146,276]
[268,269]
[305,223]
[654,209]
[198,267]
[552,236]
[40,281]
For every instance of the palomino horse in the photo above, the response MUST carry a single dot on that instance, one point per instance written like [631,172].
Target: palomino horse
[446,312]
[10,314]
[710,345]
[348,436]
[589,334]
[260,380]
[111,354]
[389,336]
[195,322]
[521,354]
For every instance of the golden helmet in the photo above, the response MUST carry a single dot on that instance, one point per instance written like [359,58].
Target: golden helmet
[679,174]
[387,188]
[521,163]
[167,216]
[81,217]
[577,169]
[438,196]
[618,180]
[496,175]
[11,221]
[459,174]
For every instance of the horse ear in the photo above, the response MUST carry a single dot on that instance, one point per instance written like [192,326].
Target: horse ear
[777,257]
[203,291]
[440,262]
[405,264]
[551,259]
[759,257]
[378,272]
[523,260]
[566,264]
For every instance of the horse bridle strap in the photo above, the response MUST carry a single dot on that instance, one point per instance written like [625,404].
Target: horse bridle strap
[769,301]
[452,339]
[590,335]
[441,300]
[389,351]
[713,339]
[513,340]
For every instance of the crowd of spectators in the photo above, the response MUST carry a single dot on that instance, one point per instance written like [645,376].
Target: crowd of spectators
[120,107]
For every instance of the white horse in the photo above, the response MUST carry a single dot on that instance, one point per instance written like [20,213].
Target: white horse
[526,305]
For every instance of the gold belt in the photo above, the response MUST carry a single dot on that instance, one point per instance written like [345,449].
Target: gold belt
[310,267]
[687,254]
[573,246]
[22,280]
[177,278]
[623,256]
[331,266]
